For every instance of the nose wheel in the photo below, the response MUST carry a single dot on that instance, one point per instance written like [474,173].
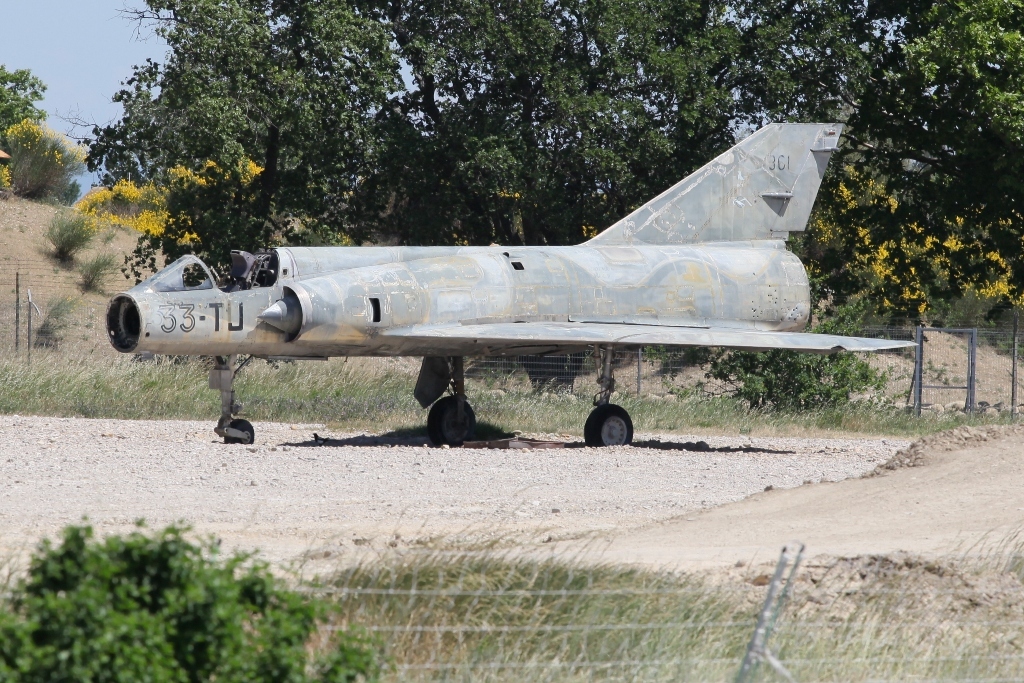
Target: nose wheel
[222,378]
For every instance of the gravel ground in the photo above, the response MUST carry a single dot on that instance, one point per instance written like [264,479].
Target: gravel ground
[288,495]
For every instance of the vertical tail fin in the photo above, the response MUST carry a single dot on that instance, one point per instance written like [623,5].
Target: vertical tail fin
[763,188]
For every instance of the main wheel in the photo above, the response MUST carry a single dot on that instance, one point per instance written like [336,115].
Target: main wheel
[444,425]
[608,425]
[243,426]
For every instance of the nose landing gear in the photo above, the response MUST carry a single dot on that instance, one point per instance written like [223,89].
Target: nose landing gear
[222,377]
[608,424]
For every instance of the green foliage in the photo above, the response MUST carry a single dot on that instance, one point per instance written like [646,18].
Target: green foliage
[526,122]
[155,607]
[288,86]
[19,90]
[69,233]
[936,122]
[787,380]
[95,270]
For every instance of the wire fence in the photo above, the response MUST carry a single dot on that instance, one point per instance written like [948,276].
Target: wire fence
[486,617]
[949,380]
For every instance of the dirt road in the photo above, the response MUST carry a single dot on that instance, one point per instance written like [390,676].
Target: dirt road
[967,489]
[288,495]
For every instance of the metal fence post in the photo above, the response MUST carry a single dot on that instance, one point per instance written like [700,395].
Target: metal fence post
[639,369]
[29,335]
[774,602]
[17,311]
[972,365]
[918,367]
[1013,372]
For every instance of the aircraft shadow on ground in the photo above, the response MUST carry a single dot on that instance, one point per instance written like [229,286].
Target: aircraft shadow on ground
[417,436]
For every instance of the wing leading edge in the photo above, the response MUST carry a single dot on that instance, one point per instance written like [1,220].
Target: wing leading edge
[569,334]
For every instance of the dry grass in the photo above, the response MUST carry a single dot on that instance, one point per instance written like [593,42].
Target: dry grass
[491,617]
[376,395]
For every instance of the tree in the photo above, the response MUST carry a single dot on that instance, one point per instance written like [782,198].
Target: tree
[19,90]
[454,122]
[287,87]
[929,203]
[542,122]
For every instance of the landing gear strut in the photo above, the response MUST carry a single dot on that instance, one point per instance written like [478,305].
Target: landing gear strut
[222,377]
[451,419]
[608,424]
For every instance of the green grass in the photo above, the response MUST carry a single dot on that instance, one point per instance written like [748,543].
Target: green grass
[492,617]
[375,395]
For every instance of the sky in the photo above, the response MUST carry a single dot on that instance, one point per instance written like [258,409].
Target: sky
[81,49]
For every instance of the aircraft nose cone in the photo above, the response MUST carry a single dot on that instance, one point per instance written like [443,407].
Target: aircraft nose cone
[285,315]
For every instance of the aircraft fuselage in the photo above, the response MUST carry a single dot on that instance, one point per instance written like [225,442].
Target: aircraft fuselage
[350,297]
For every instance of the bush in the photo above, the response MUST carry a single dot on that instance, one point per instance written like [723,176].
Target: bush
[95,270]
[154,607]
[788,380]
[69,232]
[55,321]
[44,163]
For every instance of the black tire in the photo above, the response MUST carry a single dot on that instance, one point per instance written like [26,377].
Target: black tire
[608,425]
[242,426]
[443,425]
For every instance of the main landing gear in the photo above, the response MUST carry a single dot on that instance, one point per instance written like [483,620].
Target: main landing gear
[608,424]
[451,419]
[222,377]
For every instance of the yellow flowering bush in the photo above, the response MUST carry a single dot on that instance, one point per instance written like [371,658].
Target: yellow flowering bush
[5,177]
[139,207]
[897,268]
[44,163]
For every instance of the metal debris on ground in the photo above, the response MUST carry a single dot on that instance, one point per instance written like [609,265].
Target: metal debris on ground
[514,442]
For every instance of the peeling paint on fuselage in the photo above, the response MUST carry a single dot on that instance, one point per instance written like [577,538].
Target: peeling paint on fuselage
[746,285]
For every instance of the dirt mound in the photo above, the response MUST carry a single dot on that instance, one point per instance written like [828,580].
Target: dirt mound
[916,454]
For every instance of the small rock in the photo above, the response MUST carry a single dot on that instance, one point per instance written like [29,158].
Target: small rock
[740,563]
[761,580]
[252,483]
[555,510]
[769,487]
[251,449]
[444,445]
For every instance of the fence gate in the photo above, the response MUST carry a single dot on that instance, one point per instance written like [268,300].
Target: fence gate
[946,361]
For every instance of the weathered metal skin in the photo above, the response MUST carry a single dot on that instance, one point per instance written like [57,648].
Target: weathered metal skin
[741,285]
[707,254]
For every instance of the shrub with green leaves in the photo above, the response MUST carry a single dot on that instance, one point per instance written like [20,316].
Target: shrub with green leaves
[156,607]
[787,380]
[95,270]
[68,234]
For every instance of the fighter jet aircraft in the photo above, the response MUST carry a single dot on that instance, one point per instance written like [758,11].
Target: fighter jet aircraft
[703,264]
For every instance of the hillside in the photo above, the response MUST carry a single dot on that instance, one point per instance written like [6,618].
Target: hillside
[23,253]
